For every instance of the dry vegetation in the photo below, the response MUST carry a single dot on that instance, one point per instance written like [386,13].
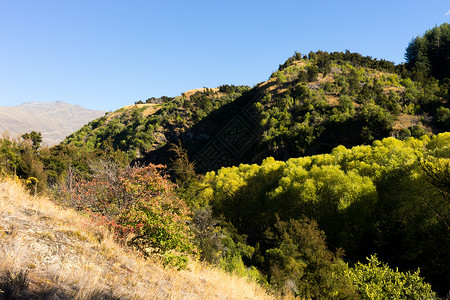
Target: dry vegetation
[189,93]
[47,252]
[405,121]
[150,108]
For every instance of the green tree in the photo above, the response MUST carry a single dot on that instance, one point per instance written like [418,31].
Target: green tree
[376,281]
[34,137]
[443,117]
[312,72]
[302,264]
[430,54]
[378,122]
[417,131]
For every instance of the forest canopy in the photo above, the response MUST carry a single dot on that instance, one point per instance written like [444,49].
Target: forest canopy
[366,200]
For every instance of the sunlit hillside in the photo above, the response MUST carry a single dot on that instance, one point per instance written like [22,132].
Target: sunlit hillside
[47,252]
[328,180]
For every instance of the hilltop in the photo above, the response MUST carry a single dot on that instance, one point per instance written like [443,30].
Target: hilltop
[55,120]
[48,252]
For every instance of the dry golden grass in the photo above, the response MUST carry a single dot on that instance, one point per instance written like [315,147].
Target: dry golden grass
[189,93]
[68,257]
[150,108]
[405,121]
[333,100]
[395,89]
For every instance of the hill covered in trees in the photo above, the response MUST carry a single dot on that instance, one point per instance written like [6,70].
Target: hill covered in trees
[146,126]
[312,104]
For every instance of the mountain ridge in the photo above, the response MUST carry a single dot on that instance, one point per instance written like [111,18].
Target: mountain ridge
[55,120]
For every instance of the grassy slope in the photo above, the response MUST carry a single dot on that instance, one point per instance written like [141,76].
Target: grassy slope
[68,257]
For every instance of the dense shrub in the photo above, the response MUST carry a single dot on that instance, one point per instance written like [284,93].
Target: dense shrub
[376,281]
[443,117]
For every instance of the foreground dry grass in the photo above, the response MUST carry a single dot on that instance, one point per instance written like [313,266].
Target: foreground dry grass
[64,256]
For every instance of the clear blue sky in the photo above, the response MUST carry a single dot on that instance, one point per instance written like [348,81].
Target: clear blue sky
[106,54]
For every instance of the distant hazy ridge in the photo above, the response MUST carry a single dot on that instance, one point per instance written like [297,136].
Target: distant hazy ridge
[55,120]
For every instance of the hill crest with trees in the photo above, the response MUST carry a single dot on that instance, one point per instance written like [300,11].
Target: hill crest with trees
[312,104]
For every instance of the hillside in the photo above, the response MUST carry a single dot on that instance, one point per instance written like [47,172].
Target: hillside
[47,252]
[55,120]
[147,126]
[329,180]
[311,104]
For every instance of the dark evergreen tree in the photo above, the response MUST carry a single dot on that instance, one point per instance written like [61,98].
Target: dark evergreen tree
[430,53]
